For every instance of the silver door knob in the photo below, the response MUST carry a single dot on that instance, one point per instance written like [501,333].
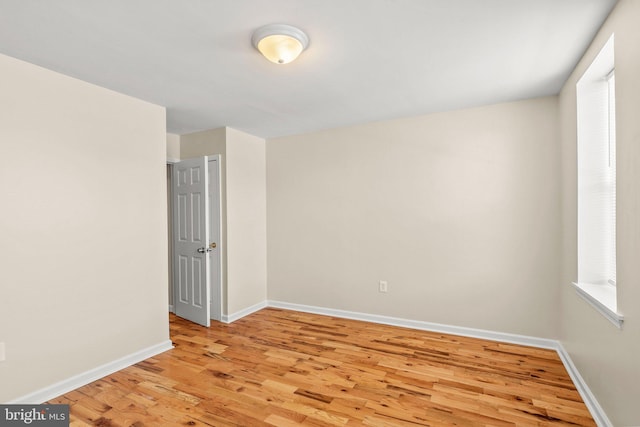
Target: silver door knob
[204,250]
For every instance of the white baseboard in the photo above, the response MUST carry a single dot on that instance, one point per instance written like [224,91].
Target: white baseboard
[65,386]
[230,318]
[171,308]
[598,414]
[420,325]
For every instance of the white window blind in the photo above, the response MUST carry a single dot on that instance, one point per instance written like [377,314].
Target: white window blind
[611,80]
[597,171]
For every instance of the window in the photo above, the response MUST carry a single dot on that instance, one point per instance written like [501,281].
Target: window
[597,184]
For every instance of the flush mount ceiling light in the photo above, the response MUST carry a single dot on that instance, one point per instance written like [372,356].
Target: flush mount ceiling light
[280,43]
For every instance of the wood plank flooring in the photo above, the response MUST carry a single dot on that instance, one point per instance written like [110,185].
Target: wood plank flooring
[284,368]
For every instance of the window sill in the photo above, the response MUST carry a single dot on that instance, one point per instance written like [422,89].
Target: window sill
[603,299]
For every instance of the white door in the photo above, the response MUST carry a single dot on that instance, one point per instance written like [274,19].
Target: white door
[191,235]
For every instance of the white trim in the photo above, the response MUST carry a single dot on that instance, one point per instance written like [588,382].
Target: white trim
[612,316]
[65,386]
[598,414]
[215,304]
[171,160]
[420,325]
[171,309]
[230,318]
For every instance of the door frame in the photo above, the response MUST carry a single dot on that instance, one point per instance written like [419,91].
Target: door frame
[215,231]
[216,257]
[171,290]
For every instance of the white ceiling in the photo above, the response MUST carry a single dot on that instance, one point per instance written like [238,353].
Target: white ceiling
[368,60]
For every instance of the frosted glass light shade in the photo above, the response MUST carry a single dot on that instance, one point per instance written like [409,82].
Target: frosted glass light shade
[280,43]
[280,49]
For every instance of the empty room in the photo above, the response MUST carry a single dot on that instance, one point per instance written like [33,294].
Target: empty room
[323,213]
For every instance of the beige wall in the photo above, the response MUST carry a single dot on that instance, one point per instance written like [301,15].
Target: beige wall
[246,220]
[204,143]
[83,224]
[458,211]
[173,147]
[606,357]
[243,201]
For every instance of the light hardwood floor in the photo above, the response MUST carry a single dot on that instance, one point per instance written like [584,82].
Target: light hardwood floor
[284,368]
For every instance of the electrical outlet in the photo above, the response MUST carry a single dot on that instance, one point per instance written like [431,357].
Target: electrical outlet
[2,352]
[382,287]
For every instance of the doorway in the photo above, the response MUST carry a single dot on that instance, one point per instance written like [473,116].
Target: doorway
[195,245]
